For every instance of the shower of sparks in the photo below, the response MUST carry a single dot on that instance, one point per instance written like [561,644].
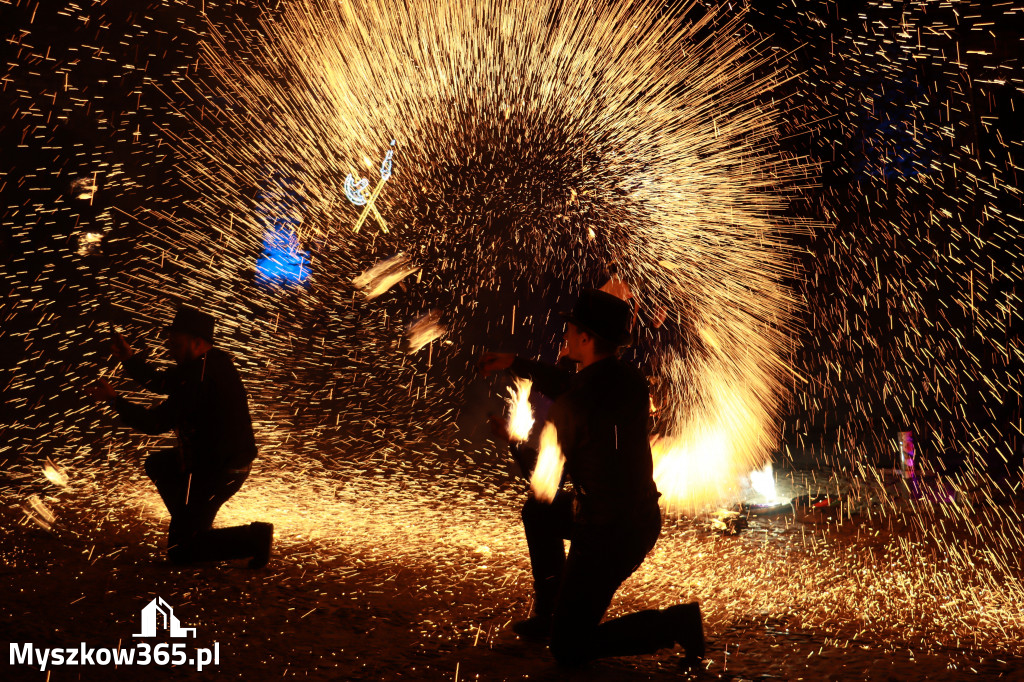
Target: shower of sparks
[547,140]
[547,474]
[520,413]
[841,573]
[520,146]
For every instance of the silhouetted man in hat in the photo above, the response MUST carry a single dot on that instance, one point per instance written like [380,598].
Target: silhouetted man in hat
[611,517]
[208,408]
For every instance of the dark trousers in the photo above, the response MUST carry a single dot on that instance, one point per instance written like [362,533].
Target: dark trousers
[575,590]
[193,500]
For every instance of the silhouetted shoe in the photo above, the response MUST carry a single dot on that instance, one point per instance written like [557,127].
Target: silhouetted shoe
[687,627]
[264,539]
[536,628]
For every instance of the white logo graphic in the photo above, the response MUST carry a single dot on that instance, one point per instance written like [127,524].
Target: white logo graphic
[170,622]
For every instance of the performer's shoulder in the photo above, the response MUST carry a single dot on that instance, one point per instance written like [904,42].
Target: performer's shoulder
[221,360]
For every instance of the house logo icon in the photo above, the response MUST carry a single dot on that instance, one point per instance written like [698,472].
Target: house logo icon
[156,609]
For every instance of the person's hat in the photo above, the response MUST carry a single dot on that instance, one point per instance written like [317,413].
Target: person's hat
[603,314]
[194,322]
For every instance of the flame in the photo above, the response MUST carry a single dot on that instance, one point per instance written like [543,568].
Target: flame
[548,473]
[520,417]
[712,448]
[763,483]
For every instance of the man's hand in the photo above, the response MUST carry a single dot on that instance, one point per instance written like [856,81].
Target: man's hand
[101,390]
[120,348]
[489,363]
[499,427]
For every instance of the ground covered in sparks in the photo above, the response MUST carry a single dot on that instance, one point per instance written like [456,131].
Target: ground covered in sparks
[413,573]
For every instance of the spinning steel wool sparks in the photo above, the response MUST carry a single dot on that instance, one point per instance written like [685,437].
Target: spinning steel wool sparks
[529,128]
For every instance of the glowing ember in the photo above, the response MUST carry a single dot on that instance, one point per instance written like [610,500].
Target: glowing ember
[550,461]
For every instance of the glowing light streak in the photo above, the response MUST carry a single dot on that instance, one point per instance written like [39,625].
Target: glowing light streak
[356,191]
[424,329]
[384,275]
[37,512]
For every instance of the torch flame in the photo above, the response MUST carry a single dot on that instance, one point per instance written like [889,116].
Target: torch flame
[520,416]
[547,475]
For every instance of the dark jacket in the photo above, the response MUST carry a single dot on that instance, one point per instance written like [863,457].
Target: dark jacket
[206,404]
[601,415]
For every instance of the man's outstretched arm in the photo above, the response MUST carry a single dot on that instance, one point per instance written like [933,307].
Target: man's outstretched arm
[153,379]
[550,380]
[149,420]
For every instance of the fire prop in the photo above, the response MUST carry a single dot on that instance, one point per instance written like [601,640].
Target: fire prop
[547,476]
[378,279]
[520,420]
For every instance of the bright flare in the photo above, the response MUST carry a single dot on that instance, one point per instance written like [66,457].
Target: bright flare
[717,444]
[520,415]
[550,461]
[763,482]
